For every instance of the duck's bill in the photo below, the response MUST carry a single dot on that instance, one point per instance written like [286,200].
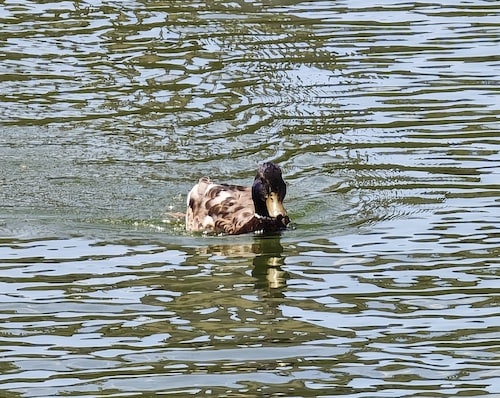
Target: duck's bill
[274,206]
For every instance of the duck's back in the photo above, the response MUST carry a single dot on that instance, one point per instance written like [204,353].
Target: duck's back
[219,208]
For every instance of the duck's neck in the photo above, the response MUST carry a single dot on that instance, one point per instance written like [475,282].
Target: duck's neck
[270,224]
[260,209]
[262,218]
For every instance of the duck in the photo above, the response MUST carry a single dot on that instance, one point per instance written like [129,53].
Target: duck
[214,208]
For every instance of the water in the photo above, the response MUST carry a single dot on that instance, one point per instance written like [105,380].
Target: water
[384,119]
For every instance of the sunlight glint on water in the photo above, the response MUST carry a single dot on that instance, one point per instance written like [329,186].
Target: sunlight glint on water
[384,119]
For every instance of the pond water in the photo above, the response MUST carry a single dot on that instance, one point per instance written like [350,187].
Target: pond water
[384,118]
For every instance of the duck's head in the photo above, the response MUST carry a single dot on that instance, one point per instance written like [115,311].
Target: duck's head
[268,192]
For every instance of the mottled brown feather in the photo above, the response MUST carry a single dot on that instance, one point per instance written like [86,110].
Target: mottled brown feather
[219,208]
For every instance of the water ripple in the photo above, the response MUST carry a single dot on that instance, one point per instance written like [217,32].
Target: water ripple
[384,119]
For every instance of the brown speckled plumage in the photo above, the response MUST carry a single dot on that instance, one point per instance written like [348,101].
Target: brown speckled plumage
[230,209]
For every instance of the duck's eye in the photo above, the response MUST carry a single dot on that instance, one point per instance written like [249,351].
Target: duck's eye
[266,189]
[263,191]
[259,189]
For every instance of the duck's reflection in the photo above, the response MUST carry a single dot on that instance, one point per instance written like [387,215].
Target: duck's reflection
[268,259]
[267,265]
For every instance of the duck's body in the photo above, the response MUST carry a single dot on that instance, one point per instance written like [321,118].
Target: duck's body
[235,209]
